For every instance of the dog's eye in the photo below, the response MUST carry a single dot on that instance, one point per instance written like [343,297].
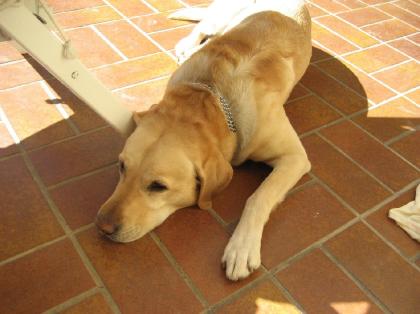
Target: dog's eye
[121,166]
[157,186]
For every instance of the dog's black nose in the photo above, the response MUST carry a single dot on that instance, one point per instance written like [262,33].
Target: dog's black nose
[106,227]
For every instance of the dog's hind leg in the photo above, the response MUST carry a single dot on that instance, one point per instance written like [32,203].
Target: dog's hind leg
[214,20]
[242,254]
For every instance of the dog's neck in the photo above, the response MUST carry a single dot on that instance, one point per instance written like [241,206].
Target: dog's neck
[224,105]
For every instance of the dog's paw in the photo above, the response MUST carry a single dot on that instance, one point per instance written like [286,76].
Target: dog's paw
[185,48]
[241,257]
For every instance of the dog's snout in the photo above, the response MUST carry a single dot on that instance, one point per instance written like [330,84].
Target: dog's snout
[106,226]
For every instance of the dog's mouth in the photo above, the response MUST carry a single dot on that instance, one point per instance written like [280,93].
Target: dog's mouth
[128,235]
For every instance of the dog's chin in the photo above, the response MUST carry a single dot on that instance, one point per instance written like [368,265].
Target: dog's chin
[127,236]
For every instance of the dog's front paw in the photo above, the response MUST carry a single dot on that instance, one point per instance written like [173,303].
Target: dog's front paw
[241,256]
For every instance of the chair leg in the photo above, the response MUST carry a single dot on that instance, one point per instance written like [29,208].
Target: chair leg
[22,26]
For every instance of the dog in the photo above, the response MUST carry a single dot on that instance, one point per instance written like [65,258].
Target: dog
[222,106]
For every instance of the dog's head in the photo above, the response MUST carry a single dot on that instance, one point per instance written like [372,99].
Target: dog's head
[163,167]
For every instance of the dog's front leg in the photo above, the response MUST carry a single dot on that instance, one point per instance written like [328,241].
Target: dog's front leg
[242,254]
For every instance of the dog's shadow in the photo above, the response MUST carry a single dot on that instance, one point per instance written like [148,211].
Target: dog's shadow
[329,92]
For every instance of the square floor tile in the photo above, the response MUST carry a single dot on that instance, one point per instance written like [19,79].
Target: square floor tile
[8,52]
[302,219]
[389,29]
[63,5]
[378,268]
[407,47]
[80,200]
[197,242]
[138,275]
[43,279]
[330,40]
[356,187]
[392,77]
[7,145]
[14,74]
[157,22]
[309,113]
[387,166]
[90,48]
[361,83]
[34,118]
[364,16]
[389,228]
[77,156]
[82,116]
[86,16]
[169,38]
[400,13]
[373,59]
[131,7]
[334,93]
[127,39]
[391,119]
[350,32]
[26,219]
[141,97]
[408,147]
[321,287]
[135,71]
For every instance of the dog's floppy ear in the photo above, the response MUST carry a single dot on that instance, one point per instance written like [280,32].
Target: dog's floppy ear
[215,174]
[137,116]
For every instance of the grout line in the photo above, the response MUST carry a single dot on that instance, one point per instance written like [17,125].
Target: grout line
[387,188]
[31,250]
[287,262]
[75,10]
[342,59]
[238,293]
[392,66]
[60,218]
[140,83]
[387,147]
[59,107]
[109,42]
[195,290]
[389,243]
[217,217]
[397,17]
[72,301]
[141,31]
[69,138]
[356,281]
[81,176]
[151,7]
[389,199]
[171,29]
[286,293]
[8,89]
[407,10]
[183,3]
[336,195]
[400,137]
[338,34]
[9,127]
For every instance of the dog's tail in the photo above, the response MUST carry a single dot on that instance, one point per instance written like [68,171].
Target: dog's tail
[189,14]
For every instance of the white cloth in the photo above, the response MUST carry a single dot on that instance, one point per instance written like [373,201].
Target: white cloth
[408,216]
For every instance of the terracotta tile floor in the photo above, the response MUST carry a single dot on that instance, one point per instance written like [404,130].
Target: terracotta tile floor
[329,247]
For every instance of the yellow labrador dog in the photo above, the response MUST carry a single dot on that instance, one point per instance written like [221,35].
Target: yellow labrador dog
[224,105]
